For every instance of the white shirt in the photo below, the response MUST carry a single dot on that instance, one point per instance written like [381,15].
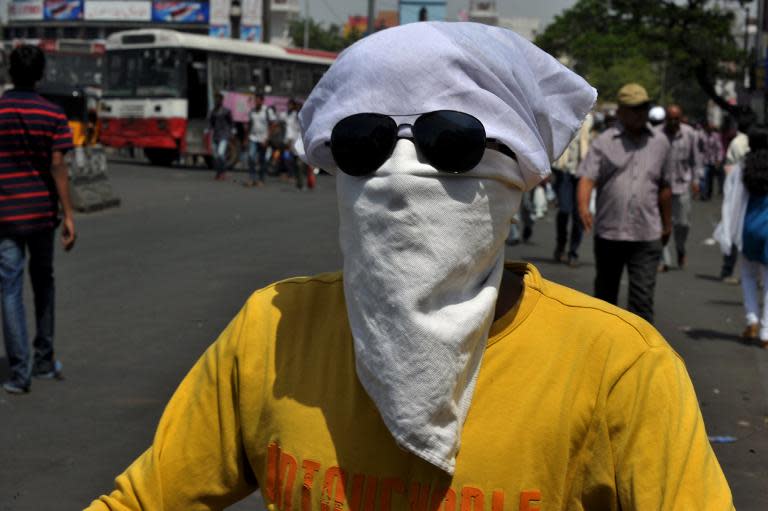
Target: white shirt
[291,119]
[260,120]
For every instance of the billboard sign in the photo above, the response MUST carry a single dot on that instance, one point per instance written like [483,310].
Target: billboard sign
[251,33]
[223,31]
[25,10]
[118,10]
[220,12]
[180,12]
[63,10]
[250,23]
[412,11]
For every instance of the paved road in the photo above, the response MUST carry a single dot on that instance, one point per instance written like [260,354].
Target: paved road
[151,284]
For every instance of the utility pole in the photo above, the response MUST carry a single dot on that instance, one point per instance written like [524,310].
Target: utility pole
[306,24]
[370,17]
[266,11]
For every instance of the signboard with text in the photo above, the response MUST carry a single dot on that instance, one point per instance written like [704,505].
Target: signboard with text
[412,11]
[223,31]
[24,10]
[250,24]
[118,10]
[250,33]
[220,12]
[63,10]
[180,12]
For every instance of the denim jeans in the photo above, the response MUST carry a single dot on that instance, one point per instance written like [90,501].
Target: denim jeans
[256,154]
[220,156]
[567,209]
[12,255]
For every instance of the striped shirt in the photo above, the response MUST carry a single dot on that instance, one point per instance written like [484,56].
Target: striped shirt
[31,128]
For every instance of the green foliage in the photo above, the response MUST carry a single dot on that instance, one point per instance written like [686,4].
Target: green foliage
[320,37]
[637,69]
[659,43]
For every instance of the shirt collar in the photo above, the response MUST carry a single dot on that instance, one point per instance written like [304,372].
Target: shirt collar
[20,93]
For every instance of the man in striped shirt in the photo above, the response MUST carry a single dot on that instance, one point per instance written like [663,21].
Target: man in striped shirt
[34,136]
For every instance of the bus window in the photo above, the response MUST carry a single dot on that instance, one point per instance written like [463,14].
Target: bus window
[160,73]
[220,72]
[240,79]
[278,78]
[151,72]
[303,80]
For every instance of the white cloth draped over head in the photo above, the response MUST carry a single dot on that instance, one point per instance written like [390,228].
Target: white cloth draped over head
[523,96]
[423,249]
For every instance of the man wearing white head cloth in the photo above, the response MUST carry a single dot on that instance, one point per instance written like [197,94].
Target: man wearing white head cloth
[429,375]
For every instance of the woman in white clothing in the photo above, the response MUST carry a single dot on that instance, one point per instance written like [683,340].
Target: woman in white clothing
[745,225]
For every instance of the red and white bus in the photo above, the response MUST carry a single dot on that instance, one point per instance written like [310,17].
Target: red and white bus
[69,62]
[159,87]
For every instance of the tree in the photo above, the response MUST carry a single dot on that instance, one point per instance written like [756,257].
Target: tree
[321,38]
[674,48]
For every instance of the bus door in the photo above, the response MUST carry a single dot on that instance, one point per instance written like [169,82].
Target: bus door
[197,101]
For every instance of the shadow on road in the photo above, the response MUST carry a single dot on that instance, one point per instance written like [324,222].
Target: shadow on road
[704,276]
[728,303]
[698,334]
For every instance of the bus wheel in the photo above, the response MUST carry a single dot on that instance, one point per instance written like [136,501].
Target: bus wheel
[161,157]
[208,161]
[233,153]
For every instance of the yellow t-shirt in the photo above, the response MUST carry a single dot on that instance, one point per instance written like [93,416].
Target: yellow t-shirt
[578,405]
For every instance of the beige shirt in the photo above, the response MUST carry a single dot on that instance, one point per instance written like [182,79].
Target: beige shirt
[628,174]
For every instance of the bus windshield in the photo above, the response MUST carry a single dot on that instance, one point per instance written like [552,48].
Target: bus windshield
[72,69]
[149,72]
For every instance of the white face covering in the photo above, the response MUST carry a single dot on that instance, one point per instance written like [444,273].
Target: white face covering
[423,261]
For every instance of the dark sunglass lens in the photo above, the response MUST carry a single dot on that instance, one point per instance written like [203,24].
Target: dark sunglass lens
[361,143]
[450,141]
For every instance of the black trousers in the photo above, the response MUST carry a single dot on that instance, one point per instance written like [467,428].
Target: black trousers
[641,259]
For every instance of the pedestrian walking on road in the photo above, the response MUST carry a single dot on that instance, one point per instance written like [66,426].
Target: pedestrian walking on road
[744,227]
[566,183]
[629,165]
[685,172]
[355,389]
[292,129]
[221,127]
[712,151]
[261,124]
[34,136]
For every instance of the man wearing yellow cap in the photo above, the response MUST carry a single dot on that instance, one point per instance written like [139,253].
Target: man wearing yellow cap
[629,166]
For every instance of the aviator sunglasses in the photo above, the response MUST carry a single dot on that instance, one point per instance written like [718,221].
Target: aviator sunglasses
[450,141]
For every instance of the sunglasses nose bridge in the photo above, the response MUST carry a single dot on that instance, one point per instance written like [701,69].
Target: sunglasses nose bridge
[405,131]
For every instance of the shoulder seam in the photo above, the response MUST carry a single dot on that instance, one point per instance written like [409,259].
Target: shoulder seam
[600,310]
[306,280]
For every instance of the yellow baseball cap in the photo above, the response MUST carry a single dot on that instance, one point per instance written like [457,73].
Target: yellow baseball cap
[633,94]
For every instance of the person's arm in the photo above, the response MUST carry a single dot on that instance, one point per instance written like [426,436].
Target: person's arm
[661,454]
[197,459]
[583,195]
[697,163]
[665,197]
[588,171]
[60,174]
